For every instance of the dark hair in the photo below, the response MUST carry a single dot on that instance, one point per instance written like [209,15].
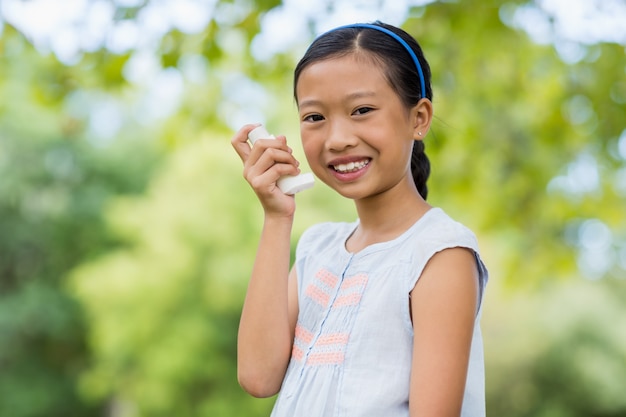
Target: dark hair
[398,66]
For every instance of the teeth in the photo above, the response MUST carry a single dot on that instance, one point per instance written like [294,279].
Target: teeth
[351,166]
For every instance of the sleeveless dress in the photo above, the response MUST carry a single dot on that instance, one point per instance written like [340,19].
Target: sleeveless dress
[353,342]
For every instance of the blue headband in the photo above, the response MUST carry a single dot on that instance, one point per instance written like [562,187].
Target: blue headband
[399,39]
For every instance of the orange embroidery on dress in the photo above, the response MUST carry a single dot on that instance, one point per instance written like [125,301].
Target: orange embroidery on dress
[297,353]
[355,281]
[302,338]
[303,334]
[347,300]
[328,348]
[325,358]
[351,291]
[332,339]
[318,295]
[327,278]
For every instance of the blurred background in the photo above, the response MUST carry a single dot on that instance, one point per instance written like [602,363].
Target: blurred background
[127,232]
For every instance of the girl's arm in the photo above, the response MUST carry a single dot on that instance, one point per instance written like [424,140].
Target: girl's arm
[268,319]
[443,304]
[266,329]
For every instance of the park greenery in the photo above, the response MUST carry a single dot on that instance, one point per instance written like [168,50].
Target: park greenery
[127,232]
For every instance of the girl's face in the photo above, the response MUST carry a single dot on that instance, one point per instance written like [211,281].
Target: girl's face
[356,133]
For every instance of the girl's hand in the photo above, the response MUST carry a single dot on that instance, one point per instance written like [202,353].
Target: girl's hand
[263,164]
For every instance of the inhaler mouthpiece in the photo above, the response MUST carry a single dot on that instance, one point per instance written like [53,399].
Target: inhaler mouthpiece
[288,184]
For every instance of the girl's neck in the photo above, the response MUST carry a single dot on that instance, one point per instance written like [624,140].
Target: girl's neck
[384,217]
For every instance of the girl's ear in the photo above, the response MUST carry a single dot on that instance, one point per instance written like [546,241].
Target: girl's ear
[421,116]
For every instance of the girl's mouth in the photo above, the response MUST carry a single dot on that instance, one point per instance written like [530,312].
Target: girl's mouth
[350,166]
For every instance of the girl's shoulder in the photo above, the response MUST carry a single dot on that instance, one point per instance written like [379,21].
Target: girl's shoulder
[438,226]
[325,235]
[438,232]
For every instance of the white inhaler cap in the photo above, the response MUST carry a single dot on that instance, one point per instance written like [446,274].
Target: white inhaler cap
[288,184]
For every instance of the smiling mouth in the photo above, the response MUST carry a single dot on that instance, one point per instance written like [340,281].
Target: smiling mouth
[351,166]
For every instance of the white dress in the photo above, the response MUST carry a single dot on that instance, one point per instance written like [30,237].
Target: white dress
[354,338]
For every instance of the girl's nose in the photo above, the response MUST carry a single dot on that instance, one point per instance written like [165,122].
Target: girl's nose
[340,137]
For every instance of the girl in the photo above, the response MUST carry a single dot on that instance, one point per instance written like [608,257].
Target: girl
[378,317]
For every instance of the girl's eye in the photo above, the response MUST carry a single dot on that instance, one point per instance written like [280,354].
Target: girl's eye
[313,118]
[362,110]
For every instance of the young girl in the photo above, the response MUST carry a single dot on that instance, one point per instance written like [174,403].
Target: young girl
[378,317]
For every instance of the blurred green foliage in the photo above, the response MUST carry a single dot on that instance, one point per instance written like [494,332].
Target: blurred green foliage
[54,188]
[124,255]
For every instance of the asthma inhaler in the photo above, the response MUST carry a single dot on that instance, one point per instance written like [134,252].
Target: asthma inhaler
[288,184]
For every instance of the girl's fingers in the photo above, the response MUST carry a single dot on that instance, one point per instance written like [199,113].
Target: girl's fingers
[269,168]
[266,181]
[244,149]
[240,141]
[266,161]
[263,158]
